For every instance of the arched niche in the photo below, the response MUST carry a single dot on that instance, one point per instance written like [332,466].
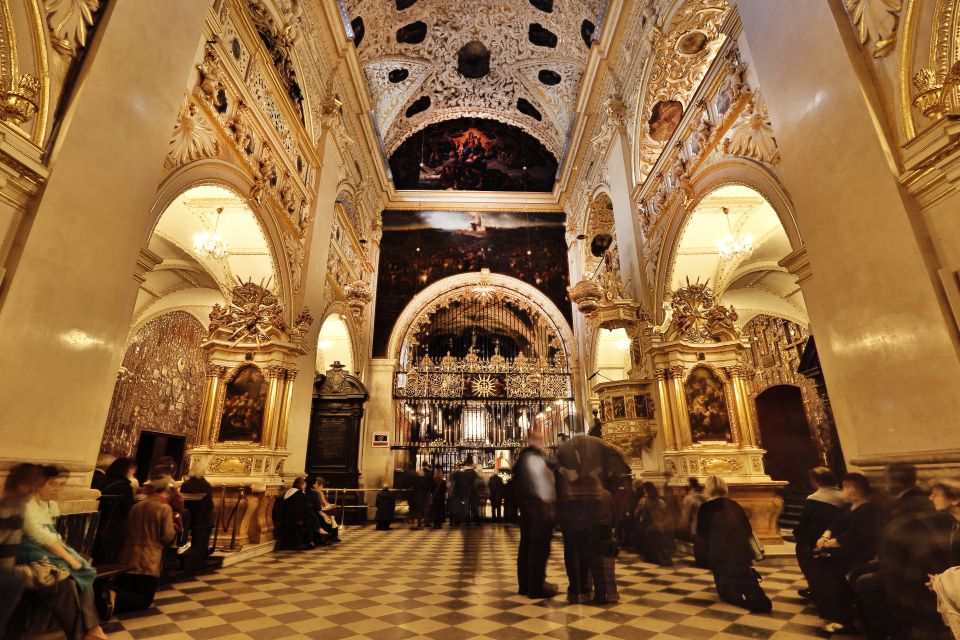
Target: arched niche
[335,343]
[753,282]
[611,356]
[186,278]
[216,172]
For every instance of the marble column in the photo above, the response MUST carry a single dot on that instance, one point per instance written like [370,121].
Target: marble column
[887,345]
[67,304]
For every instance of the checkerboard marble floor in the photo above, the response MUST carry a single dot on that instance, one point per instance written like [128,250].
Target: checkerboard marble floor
[449,585]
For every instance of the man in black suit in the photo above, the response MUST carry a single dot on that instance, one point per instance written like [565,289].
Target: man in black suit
[536,495]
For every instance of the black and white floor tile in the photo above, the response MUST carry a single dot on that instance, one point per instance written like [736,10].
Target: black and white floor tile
[451,584]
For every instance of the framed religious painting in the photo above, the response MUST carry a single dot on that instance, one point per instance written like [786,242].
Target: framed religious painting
[707,407]
[244,401]
[619,408]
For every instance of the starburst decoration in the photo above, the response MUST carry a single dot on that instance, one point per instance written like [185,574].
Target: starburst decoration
[484,386]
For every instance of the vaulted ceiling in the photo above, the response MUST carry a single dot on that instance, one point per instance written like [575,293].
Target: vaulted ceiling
[516,61]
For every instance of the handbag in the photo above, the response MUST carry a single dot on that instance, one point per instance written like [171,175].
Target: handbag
[42,575]
[759,553]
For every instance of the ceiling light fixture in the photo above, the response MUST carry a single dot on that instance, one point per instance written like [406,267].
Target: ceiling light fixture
[733,246]
[211,245]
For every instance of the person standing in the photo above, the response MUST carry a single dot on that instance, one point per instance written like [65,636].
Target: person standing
[438,499]
[819,510]
[536,495]
[495,486]
[586,467]
[149,529]
[726,534]
[200,507]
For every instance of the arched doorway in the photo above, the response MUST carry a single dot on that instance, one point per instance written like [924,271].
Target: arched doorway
[786,435]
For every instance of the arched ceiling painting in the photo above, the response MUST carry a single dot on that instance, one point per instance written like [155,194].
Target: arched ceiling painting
[515,62]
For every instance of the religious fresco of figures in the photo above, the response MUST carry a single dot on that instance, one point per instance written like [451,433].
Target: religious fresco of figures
[243,406]
[471,154]
[707,406]
[420,247]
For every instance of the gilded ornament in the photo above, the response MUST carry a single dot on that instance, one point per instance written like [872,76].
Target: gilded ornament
[69,22]
[697,317]
[193,138]
[875,21]
[751,136]
[20,98]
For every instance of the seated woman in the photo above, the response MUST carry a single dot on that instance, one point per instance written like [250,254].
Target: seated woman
[149,529]
[654,534]
[819,510]
[326,512]
[58,574]
[850,541]
[725,532]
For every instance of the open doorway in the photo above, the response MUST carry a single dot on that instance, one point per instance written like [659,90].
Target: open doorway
[152,446]
[785,435]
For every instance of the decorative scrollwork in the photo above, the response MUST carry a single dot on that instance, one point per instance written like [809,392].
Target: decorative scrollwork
[697,317]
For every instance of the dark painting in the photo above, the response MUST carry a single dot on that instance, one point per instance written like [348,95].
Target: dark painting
[619,408]
[470,154]
[243,405]
[707,407]
[640,407]
[420,247]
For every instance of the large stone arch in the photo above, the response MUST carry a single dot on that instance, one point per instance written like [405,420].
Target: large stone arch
[221,173]
[731,171]
[460,284]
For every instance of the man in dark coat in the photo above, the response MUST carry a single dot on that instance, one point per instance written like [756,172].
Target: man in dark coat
[914,542]
[536,495]
[496,487]
[386,508]
[587,465]
[296,519]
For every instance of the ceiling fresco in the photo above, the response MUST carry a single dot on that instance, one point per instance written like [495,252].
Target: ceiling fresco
[518,62]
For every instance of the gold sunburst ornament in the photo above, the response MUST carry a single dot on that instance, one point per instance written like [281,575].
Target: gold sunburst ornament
[484,386]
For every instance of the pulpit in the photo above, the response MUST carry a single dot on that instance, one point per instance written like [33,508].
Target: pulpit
[334,447]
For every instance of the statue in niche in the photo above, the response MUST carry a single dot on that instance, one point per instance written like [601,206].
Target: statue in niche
[707,407]
[243,406]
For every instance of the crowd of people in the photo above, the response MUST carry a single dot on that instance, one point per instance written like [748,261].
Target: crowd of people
[885,567]
[138,525]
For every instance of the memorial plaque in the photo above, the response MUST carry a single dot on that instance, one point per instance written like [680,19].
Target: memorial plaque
[332,440]
[333,449]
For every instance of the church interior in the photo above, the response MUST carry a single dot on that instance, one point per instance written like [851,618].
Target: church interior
[381,242]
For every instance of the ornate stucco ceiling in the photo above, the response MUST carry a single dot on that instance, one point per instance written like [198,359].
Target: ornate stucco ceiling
[520,71]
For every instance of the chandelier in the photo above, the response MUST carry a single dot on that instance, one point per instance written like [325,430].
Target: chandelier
[210,245]
[732,246]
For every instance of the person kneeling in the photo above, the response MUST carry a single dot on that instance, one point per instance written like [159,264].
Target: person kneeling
[150,528]
[386,508]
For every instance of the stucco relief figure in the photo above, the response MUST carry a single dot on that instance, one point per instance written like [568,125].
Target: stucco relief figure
[707,407]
